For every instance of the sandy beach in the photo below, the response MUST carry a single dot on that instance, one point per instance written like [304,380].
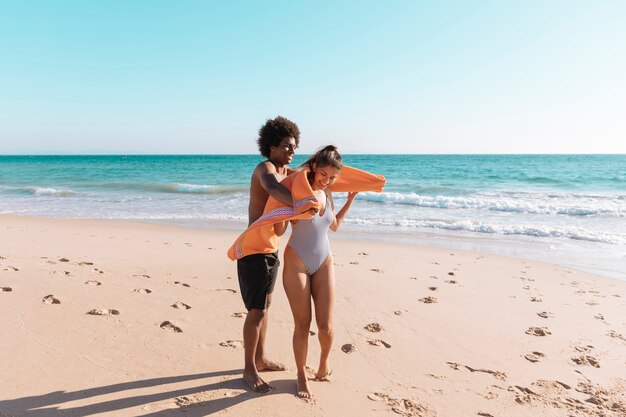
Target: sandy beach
[130,319]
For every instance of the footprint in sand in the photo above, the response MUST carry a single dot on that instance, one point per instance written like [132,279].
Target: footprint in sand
[432,288]
[378,342]
[496,374]
[599,316]
[170,327]
[451,273]
[538,331]
[374,327]
[50,299]
[239,314]
[103,312]
[235,344]
[64,260]
[6,289]
[404,406]
[348,348]
[182,283]
[142,290]
[536,300]
[363,254]
[613,333]
[85,263]
[451,281]
[376,396]
[583,349]
[226,290]
[185,403]
[428,300]
[354,263]
[181,306]
[141,276]
[534,357]
[11,268]
[93,282]
[545,315]
[454,365]
[380,271]
[586,360]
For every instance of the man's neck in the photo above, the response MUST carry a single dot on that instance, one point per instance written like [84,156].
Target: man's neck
[280,168]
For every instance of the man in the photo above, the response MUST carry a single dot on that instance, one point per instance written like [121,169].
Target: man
[278,141]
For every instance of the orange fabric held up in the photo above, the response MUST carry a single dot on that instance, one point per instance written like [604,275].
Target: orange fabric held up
[260,236]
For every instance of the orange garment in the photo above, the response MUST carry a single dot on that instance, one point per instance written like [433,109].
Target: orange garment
[260,236]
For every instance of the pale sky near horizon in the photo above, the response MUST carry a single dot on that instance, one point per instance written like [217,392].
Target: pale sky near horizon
[201,77]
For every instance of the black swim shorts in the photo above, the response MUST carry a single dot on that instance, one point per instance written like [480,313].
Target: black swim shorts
[257,276]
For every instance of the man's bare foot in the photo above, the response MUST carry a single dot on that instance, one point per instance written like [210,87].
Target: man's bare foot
[255,382]
[302,387]
[265,365]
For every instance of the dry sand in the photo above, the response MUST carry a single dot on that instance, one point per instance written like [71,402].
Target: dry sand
[128,319]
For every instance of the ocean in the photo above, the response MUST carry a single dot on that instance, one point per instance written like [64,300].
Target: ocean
[564,209]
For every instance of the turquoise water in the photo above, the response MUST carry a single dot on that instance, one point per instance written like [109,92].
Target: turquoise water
[570,204]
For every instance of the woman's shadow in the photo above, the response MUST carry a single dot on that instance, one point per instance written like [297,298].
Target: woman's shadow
[168,403]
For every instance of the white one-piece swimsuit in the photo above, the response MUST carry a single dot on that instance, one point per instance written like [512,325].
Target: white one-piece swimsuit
[309,238]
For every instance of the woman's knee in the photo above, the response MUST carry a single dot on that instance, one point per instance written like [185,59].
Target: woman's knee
[303,326]
[325,329]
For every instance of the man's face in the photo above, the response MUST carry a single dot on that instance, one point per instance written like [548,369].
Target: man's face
[284,152]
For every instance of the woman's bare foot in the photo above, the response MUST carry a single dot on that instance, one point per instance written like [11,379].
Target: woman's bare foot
[255,382]
[323,372]
[302,386]
[266,365]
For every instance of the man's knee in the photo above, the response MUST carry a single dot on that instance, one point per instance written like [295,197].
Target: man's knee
[256,315]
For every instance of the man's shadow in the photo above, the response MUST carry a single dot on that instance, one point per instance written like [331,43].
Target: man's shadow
[47,405]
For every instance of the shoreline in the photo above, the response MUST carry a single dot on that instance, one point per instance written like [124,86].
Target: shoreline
[580,256]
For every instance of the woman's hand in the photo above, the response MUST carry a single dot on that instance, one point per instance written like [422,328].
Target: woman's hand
[352,195]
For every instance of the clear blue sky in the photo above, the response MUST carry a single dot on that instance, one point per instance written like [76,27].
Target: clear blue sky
[370,76]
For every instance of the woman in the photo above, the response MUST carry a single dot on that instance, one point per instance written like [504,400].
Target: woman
[308,272]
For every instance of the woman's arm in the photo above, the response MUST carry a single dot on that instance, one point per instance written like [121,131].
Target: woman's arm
[338,218]
[280,228]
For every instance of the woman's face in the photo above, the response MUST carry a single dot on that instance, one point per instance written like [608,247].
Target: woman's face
[325,175]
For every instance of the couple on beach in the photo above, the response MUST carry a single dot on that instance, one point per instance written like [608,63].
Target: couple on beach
[302,196]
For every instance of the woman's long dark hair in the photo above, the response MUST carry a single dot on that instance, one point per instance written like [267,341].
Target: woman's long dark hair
[327,156]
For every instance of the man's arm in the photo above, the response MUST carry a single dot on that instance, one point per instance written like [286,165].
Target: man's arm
[269,179]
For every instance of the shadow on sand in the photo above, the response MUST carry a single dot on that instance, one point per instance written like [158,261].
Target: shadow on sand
[159,404]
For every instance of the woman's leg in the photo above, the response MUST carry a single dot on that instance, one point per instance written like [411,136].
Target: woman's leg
[298,289]
[323,292]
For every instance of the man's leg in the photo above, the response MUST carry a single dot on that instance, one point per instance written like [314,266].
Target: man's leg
[251,339]
[263,363]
